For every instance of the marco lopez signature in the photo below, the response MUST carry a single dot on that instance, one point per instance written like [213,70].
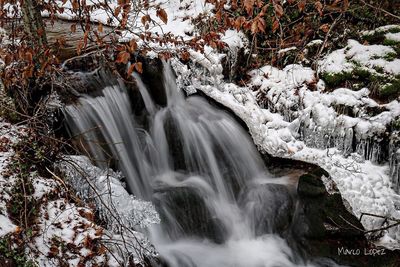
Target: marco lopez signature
[361,251]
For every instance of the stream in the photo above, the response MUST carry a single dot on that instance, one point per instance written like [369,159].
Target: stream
[219,206]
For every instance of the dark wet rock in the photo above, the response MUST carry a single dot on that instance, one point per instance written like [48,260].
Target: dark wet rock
[234,65]
[87,74]
[218,105]
[283,167]
[271,207]
[192,215]
[324,214]
[91,72]
[85,63]
[310,186]
[324,228]
[173,136]
[152,77]
[344,110]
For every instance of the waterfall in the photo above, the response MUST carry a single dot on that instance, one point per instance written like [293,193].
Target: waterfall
[217,202]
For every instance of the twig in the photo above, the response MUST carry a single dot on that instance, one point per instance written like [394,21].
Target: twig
[58,178]
[381,9]
[328,35]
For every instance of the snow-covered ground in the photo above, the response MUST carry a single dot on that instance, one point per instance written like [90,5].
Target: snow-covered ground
[369,57]
[58,220]
[8,135]
[65,231]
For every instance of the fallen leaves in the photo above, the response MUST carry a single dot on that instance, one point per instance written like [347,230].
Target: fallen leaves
[324,27]
[138,66]
[123,57]
[258,25]
[162,15]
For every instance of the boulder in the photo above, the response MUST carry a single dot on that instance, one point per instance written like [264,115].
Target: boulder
[182,210]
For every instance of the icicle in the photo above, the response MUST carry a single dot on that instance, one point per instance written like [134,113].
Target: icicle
[394,160]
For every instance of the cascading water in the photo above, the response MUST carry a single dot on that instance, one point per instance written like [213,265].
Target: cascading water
[217,203]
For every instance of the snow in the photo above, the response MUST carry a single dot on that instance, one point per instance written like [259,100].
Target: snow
[180,14]
[42,186]
[363,184]
[4,40]
[58,219]
[6,226]
[285,50]
[359,55]
[385,28]
[61,222]
[124,215]
[336,62]
[275,129]
[234,39]
[179,23]
[66,230]
[393,36]
[315,42]
[106,188]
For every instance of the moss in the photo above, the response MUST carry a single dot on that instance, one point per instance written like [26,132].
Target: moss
[396,125]
[336,79]
[7,106]
[390,56]
[361,74]
[376,37]
[390,42]
[394,30]
[358,76]
[390,90]
[397,49]
[378,69]
[15,255]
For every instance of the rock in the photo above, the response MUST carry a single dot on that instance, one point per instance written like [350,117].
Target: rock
[61,30]
[322,226]
[181,209]
[152,77]
[234,65]
[270,206]
[310,186]
[325,214]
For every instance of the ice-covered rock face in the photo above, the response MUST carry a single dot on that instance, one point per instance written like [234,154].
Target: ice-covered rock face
[290,113]
[122,213]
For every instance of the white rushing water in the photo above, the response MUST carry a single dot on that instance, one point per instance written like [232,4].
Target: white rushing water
[216,200]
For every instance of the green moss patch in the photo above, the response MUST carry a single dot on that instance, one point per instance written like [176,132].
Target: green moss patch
[336,79]
[390,42]
[390,56]
[356,79]
[14,255]
[396,125]
[390,90]
[378,36]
